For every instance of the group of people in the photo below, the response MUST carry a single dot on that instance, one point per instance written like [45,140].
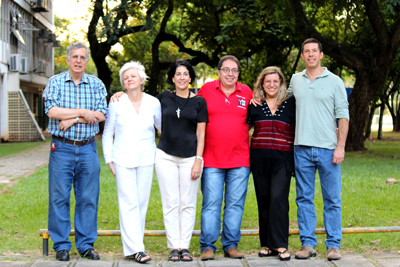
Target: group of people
[203,137]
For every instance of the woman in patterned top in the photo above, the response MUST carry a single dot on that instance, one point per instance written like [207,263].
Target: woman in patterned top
[271,159]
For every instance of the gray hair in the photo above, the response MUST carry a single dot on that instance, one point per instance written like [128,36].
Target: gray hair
[77,45]
[133,65]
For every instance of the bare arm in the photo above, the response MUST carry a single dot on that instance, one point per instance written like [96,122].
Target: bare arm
[65,113]
[338,154]
[200,133]
[68,113]
[66,123]
[99,116]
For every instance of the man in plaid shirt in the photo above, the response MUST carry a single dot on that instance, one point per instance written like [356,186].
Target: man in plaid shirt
[75,103]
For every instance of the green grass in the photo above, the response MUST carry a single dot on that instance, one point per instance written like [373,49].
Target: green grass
[7,149]
[366,199]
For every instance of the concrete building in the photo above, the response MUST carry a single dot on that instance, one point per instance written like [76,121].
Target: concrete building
[26,63]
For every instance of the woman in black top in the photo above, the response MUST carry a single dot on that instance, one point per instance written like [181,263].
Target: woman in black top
[179,160]
[271,159]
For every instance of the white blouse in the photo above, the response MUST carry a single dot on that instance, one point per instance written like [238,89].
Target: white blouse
[134,143]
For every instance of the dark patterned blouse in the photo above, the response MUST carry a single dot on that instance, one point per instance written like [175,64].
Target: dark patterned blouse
[273,135]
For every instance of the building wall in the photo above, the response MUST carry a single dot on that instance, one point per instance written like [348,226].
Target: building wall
[18,15]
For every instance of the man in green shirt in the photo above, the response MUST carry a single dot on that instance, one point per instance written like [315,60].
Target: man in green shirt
[320,100]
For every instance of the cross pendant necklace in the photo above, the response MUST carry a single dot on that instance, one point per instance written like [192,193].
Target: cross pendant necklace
[178,110]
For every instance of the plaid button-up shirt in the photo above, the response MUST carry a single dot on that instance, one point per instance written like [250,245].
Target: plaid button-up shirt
[62,92]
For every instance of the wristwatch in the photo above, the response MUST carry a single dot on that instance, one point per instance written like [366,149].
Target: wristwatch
[200,158]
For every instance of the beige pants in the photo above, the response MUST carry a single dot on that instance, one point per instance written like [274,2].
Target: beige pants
[178,196]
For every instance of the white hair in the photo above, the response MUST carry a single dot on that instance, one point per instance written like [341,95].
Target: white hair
[133,65]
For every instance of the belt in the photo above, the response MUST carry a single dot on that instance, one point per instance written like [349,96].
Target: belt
[75,143]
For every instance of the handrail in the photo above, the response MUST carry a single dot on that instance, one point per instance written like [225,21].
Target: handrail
[44,233]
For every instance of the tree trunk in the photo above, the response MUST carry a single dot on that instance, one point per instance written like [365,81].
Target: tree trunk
[102,67]
[396,124]
[154,79]
[382,112]
[369,122]
[358,108]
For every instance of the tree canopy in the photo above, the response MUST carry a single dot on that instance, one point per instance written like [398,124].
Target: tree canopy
[359,37]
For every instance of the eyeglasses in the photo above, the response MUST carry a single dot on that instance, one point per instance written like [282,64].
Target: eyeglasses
[227,71]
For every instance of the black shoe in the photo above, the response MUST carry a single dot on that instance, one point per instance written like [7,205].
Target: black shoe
[62,255]
[90,254]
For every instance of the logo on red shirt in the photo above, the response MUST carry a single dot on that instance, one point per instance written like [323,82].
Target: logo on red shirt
[241,101]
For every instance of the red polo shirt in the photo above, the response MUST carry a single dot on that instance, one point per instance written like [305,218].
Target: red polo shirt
[227,135]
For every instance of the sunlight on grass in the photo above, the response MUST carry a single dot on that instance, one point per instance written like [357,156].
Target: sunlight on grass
[7,149]
[367,201]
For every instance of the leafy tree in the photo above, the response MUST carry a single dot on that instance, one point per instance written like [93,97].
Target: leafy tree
[60,60]
[112,20]
[362,35]
[391,96]
[201,31]
[209,29]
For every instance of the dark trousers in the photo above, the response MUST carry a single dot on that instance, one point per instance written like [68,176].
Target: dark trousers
[272,184]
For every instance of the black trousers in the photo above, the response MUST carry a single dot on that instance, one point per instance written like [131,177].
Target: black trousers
[272,184]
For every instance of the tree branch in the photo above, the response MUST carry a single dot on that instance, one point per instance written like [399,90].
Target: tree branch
[377,22]
[340,52]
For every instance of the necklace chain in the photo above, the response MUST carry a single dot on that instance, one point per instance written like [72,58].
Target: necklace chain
[178,110]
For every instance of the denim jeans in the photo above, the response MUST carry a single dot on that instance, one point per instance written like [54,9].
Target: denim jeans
[78,166]
[307,161]
[212,187]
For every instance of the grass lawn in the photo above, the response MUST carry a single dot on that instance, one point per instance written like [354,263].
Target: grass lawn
[7,149]
[366,199]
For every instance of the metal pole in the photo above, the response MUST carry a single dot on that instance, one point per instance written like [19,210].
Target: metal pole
[45,247]
[45,235]
[360,230]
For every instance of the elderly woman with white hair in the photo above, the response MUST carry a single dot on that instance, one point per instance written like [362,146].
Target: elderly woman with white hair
[131,155]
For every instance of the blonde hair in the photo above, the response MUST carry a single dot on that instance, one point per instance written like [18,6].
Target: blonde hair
[259,93]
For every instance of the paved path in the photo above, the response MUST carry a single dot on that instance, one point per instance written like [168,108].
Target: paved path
[353,260]
[23,164]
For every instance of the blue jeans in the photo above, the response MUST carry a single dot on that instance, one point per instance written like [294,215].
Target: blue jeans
[78,166]
[212,187]
[307,160]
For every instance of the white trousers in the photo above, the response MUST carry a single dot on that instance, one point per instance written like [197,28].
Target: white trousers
[133,186]
[178,196]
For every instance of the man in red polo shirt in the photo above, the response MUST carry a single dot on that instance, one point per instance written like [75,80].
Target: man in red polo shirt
[226,159]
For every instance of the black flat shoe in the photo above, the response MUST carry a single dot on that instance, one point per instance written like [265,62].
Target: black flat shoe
[62,255]
[138,257]
[90,254]
[284,258]
[269,253]
[174,254]
[185,255]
